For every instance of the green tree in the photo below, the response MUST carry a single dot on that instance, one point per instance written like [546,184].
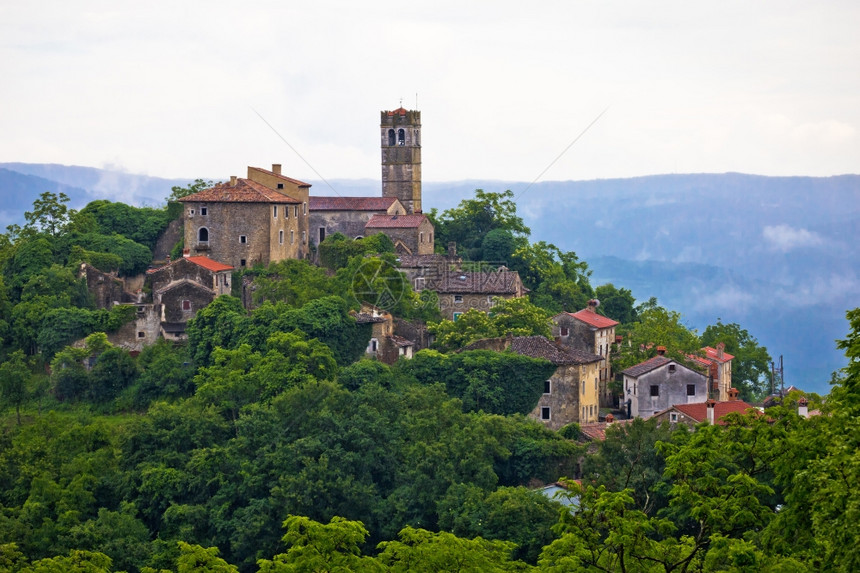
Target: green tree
[14,375]
[197,559]
[177,192]
[616,303]
[559,281]
[50,214]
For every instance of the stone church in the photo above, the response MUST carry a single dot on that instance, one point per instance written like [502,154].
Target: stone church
[268,217]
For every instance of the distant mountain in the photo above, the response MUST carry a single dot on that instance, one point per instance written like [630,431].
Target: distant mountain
[774,254]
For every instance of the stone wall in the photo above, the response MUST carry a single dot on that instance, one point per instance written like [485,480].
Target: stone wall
[671,381]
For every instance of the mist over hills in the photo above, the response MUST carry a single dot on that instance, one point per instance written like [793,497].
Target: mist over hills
[775,254]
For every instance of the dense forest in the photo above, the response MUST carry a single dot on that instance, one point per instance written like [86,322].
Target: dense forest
[268,443]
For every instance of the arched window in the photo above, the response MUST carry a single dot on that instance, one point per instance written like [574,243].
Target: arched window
[203,235]
[401,137]
[391,137]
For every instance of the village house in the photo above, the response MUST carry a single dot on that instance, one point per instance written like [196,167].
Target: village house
[711,411]
[592,332]
[348,215]
[718,363]
[460,291]
[411,234]
[258,220]
[659,383]
[570,394]
[384,344]
[423,270]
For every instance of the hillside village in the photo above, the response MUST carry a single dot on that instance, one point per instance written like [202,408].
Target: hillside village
[398,389]
[268,217]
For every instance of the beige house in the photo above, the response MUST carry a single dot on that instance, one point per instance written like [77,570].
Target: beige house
[257,220]
[718,363]
[586,330]
[571,393]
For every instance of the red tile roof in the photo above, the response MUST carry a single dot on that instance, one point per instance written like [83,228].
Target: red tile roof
[209,264]
[395,221]
[714,355]
[350,203]
[594,319]
[597,430]
[244,191]
[400,111]
[698,411]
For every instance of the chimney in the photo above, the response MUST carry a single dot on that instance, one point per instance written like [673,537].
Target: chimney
[661,350]
[276,168]
[803,408]
[610,418]
[593,304]
[452,249]
[232,180]
[710,404]
[721,347]
[733,394]
[186,253]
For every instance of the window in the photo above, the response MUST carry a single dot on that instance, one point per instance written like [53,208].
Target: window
[673,416]
[322,234]
[243,239]
[242,262]
[295,210]
[595,384]
[458,298]
[304,208]
[191,212]
[304,237]
[691,389]
[280,185]
[671,369]
[547,386]
[374,344]
[545,413]
[391,137]
[280,237]
[186,305]
[457,316]
[203,235]
[655,390]
[141,334]
[286,211]
[583,388]
[292,237]
[204,211]
[274,211]
[401,137]
[565,331]
[419,283]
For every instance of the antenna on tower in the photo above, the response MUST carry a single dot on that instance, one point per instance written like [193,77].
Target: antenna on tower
[401,102]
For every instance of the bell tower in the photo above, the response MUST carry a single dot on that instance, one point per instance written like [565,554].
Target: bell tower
[401,157]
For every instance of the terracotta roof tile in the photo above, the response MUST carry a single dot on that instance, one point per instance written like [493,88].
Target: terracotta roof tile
[714,355]
[593,319]
[209,264]
[400,341]
[479,282]
[395,221]
[597,430]
[350,203]
[698,411]
[244,191]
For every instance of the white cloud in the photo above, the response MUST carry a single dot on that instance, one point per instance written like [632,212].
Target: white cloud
[785,238]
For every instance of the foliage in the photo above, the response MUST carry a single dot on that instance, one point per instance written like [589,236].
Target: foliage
[14,376]
[177,192]
[473,219]
[135,257]
[294,282]
[655,326]
[337,249]
[140,224]
[493,382]
[50,214]
[516,316]
[616,303]
[559,281]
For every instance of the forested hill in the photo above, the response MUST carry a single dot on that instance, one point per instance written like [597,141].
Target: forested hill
[775,254]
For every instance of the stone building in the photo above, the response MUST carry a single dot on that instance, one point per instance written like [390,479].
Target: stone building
[570,395]
[460,291]
[586,330]
[659,383]
[718,363]
[347,215]
[711,411]
[107,289]
[258,220]
[384,344]
[411,234]
[400,132]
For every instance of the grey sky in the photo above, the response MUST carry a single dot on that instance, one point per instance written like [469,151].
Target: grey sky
[170,88]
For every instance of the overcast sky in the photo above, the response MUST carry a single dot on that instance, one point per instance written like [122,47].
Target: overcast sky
[174,89]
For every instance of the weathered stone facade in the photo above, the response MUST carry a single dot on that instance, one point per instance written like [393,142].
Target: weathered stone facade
[348,215]
[258,220]
[400,139]
[460,291]
[107,289]
[411,234]
[592,332]
[570,395]
[201,270]
[659,383]
[384,344]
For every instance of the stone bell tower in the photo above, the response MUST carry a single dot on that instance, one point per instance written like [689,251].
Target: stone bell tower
[401,157]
